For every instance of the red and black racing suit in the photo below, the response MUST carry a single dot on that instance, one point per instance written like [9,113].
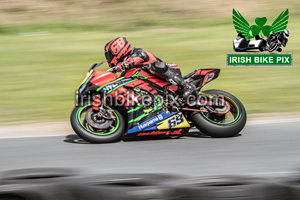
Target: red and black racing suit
[169,72]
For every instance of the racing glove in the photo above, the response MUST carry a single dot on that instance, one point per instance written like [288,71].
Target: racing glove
[119,68]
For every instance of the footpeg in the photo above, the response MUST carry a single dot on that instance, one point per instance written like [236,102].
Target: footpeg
[211,110]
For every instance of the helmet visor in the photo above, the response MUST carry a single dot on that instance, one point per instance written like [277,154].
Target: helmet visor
[109,56]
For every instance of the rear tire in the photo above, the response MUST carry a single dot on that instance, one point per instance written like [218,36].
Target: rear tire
[93,137]
[217,129]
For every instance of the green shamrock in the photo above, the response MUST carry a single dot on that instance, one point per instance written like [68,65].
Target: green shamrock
[257,29]
[242,26]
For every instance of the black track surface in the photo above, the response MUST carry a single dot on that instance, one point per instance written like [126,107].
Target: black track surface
[260,149]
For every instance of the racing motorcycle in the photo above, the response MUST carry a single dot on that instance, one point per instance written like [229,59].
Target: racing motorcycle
[110,107]
[240,44]
[275,41]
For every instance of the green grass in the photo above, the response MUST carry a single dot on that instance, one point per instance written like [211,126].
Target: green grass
[39,74]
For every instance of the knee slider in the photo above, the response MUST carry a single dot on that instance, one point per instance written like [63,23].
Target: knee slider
[159,67]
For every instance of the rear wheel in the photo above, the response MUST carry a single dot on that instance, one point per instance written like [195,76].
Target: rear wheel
[222,125]
[96,129]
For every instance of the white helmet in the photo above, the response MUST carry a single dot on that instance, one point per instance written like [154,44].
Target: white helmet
[286,33]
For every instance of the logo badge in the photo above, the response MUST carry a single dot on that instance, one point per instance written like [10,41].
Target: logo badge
[260,37]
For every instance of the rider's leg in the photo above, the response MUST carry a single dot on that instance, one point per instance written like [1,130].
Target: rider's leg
[172,74]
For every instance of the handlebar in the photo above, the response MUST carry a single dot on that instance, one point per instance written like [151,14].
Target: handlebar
[93,67]
[111,69]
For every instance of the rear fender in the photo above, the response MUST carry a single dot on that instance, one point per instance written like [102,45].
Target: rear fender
[203,76]
[210,74]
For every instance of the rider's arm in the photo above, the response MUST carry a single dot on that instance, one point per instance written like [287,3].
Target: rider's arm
[138,57]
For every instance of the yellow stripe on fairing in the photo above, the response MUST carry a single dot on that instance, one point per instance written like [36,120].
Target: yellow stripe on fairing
[86,78]
[163,125]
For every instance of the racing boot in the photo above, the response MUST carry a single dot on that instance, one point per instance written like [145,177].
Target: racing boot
[188,89]
[161,70]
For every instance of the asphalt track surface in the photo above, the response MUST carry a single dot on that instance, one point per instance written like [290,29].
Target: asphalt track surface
[261,149]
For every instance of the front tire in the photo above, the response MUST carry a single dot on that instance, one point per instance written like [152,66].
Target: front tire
[217,126]
[86,132]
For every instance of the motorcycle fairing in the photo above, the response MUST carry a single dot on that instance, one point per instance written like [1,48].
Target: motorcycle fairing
[142,74]
[173,132]
[124,90]
[141,118]
[138,114]
[115,85]
[150,122]
[161,122]
[201,77]
[103,78]
[175,121]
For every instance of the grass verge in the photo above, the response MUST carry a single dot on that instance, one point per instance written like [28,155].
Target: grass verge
[39,73]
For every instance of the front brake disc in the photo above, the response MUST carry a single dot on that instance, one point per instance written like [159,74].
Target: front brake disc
[96,121]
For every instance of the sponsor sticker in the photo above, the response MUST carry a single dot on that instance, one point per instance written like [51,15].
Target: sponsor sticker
[115,84]
[176,132]
[151,122]
[176,120]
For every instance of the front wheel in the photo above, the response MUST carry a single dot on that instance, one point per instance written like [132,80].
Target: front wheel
[222,125]
[95,129]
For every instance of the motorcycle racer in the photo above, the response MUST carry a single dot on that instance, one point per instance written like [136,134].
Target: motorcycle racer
[120,55]
[275,40]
